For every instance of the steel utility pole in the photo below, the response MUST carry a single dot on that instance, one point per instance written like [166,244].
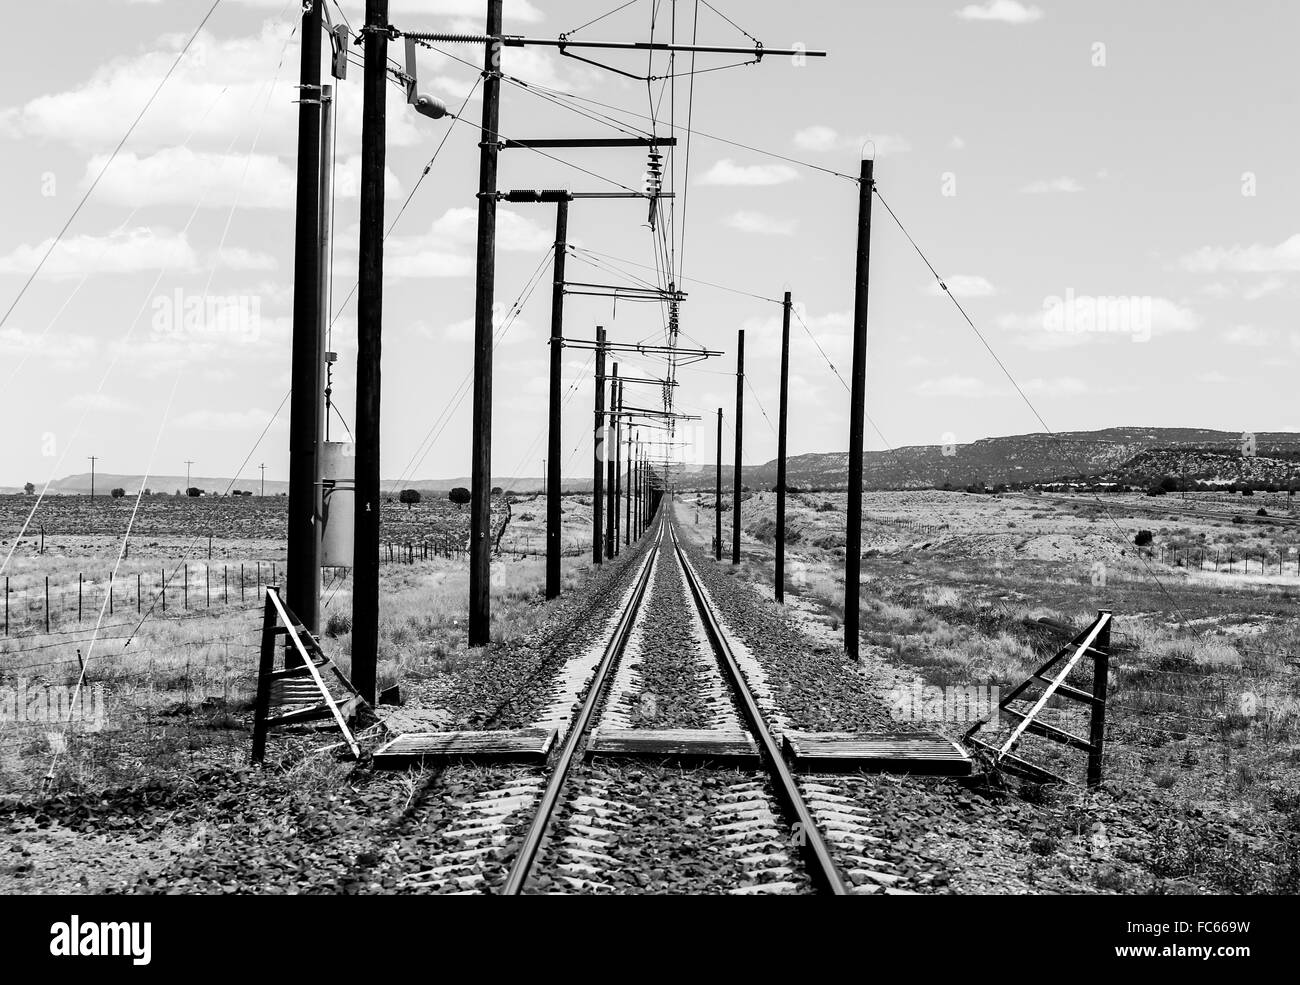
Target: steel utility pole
[598,451]
[717,498]
[263,468]
[480,534]
[857,409]
[780,448]
[93,460]
[611,460]
[740,430]
[302,576]
[370,302]
[188,481]
[553,511]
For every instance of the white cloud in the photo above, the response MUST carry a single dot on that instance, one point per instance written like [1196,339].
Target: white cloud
[447,249]
[727,172]
[178,176]
[101,402]
[965,286]
[1081,319]
[120,252]
[1004,11]
[1049,185]
[1251,335]
[64,348]
[1264,288]
[761,223]
[521,11]
[822,139]
[238,258]
[514,232]
[219,97]
[1257,258]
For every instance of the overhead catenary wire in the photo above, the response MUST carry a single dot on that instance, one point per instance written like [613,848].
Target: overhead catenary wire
[1155,578]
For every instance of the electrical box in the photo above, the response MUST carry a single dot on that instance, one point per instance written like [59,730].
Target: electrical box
[338,481]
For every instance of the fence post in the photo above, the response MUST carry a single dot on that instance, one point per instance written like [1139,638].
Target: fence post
[225,582]
[241,584]
[185,586]
[110,593]
[164,589]
[6,605]
[1100,683]
[79,586]
[47,603]
[139,581]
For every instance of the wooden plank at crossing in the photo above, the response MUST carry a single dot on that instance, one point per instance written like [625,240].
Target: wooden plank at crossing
[877,752]
[678,745]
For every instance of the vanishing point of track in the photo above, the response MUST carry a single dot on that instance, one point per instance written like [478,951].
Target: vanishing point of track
[819,867]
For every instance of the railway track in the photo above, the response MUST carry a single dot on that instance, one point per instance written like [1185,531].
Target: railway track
[613,825]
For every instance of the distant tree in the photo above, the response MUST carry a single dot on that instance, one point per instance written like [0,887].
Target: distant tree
[118,493]
[1248,491]
[1143,538]
[1261,512]
[29,489]
[1169,483]
[459,495]
[194,491]
[148,491]
[409,496]
[1156,491]
[496,490]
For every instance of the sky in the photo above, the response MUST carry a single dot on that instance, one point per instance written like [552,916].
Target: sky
[1109,189]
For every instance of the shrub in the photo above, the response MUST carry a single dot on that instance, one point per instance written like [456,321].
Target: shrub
[1261,512]
[118,493]
[1143,538]
[194,491]
[459,495]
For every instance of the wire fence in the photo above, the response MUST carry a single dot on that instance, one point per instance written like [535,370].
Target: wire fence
[43,604]
[168,702]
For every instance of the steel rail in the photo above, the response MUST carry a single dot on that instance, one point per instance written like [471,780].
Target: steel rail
[527,856]
[817,857]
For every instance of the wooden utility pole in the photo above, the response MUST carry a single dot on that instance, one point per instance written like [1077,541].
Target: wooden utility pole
[740,431]
[93,460]
[627,512]
[480,533]
[857,409]
[611,460]
[553,512]
[615,520]
[263,468]
[598,452]
[717,498]
[780,448]
[370,298]
[302,576]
